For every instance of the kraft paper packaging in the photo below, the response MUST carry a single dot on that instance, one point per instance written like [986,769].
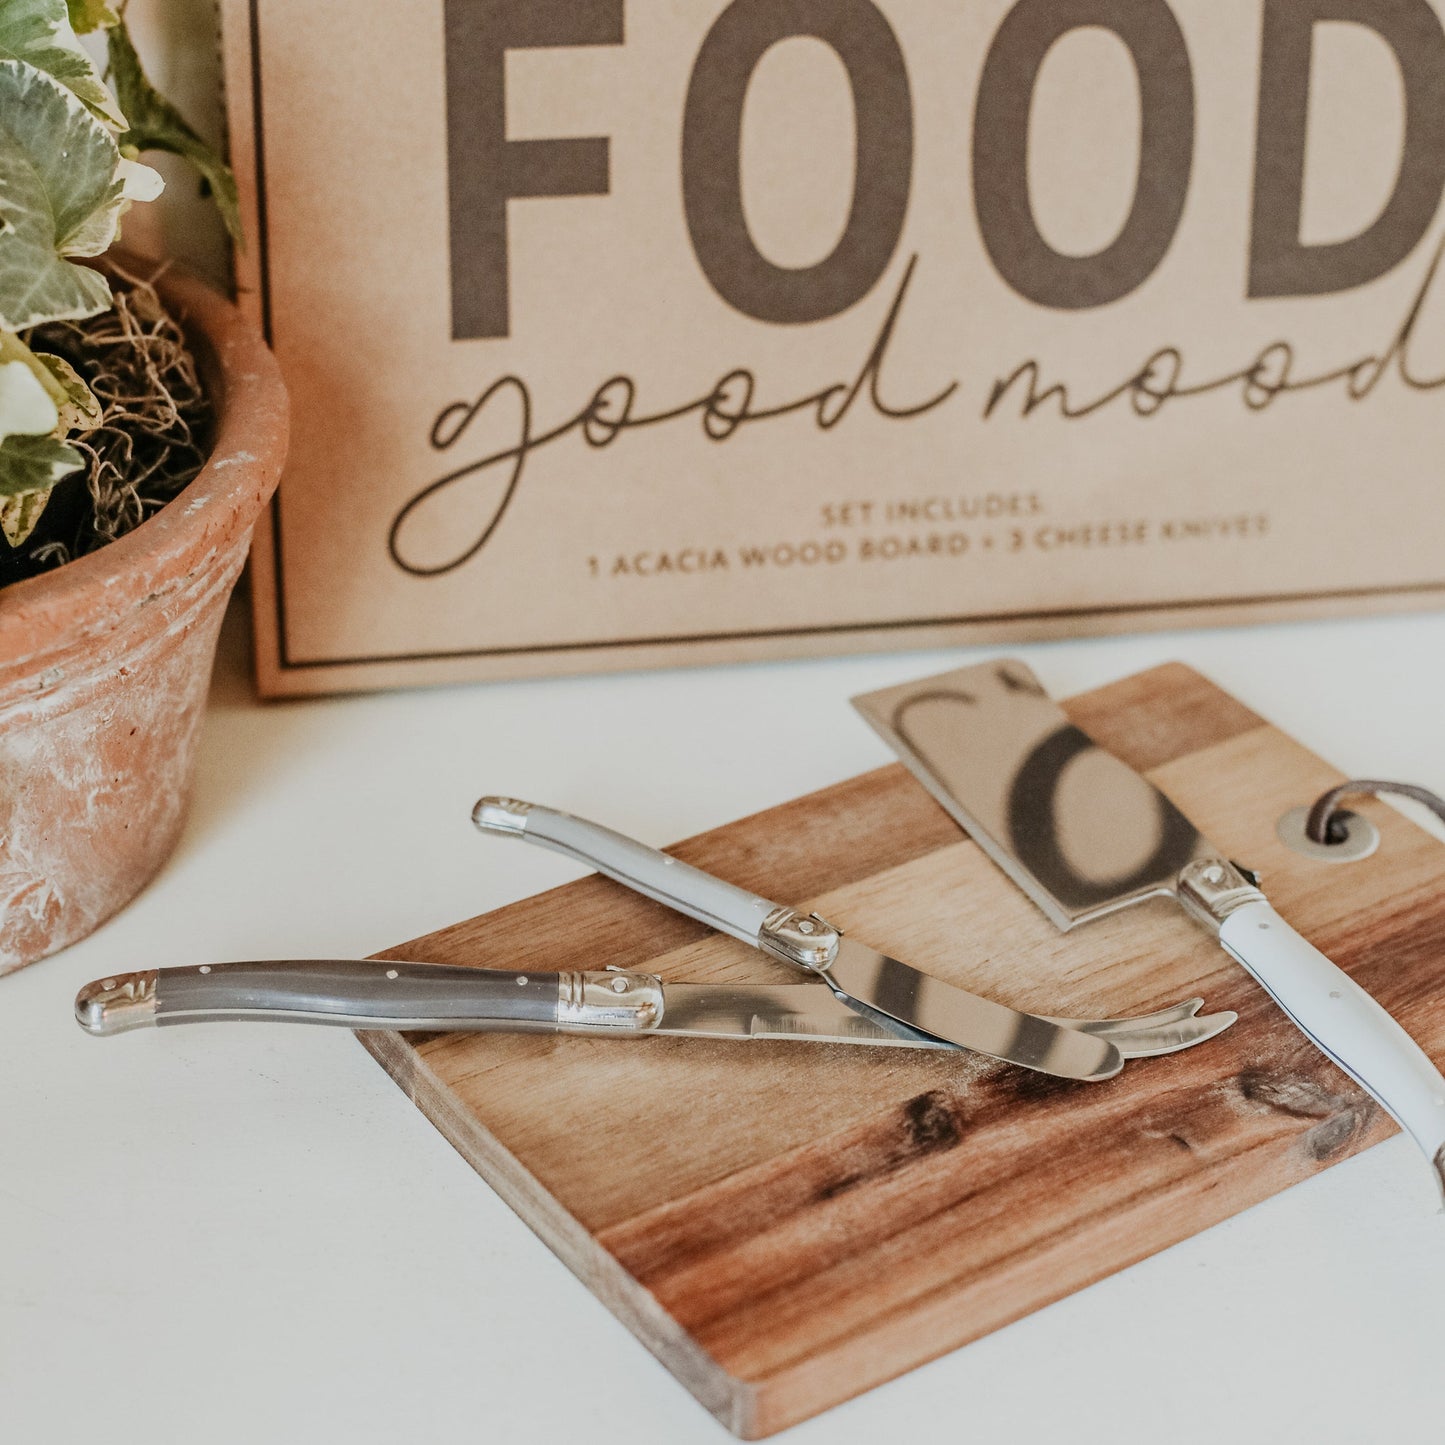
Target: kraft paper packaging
[681,331]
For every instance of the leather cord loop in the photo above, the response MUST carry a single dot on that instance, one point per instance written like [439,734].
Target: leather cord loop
[1324,824]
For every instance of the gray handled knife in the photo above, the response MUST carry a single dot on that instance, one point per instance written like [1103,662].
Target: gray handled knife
[381,995]
[1084,835]
[880,989]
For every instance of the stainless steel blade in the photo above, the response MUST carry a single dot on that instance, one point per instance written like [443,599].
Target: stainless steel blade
[1078,830]
[1144,1042]
[991,1028]
[808,1011]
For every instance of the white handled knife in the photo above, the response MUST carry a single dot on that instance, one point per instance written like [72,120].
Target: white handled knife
[1083,835]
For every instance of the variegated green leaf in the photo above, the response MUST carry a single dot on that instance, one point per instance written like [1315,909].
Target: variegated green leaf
[39,33]
[58,172]
[30,467]
[136,182]
[19,515]
[75,401]
[74,404]
[12,348]
[14,351]
[88,15]
[35,464]
[26,405]
[156,125]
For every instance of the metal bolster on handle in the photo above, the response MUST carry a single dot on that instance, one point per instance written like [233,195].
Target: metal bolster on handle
[501,815]
[1213,888]
[590,1003]
[113,1005]
[809,941]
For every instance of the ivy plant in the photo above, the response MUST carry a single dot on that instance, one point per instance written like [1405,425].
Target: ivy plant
[69,169]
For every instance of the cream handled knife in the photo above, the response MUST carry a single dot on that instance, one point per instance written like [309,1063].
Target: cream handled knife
[878,988]
[1084,835]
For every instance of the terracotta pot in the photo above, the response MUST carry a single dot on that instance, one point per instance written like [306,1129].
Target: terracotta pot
[105,662]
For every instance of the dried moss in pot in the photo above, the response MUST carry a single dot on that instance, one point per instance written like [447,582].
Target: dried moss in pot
[151,431]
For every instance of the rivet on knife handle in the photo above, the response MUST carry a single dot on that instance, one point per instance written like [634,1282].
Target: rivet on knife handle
[810,942]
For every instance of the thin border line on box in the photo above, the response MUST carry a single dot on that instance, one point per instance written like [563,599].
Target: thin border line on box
[977,618]
[263,266]
[288,664]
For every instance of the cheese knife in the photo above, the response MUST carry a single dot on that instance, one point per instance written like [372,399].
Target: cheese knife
[870,983]
[1084,835]
[602,1003]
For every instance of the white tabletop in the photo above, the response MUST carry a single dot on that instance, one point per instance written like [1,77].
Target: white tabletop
[247,1234]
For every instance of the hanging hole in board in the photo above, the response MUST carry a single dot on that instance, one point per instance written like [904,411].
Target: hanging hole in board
[1358,836]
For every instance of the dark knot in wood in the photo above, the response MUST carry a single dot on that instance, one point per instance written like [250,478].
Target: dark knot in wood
[1343,1117]
[930,1122]
[929,1126]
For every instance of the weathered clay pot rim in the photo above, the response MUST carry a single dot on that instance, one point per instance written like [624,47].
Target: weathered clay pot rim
[93,594]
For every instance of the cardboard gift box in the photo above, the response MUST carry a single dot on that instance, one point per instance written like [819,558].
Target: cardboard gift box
[682,331]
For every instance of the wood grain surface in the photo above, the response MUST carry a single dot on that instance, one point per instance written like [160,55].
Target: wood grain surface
[786,1225]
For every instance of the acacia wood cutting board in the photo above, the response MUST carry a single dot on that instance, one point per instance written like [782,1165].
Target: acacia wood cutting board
[786,1225]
